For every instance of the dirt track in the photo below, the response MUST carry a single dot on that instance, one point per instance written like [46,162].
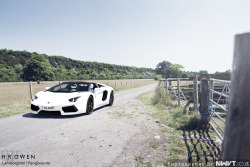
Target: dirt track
[111,136]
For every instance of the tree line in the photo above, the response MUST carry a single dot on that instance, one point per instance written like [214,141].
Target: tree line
[31,66]
[166,69]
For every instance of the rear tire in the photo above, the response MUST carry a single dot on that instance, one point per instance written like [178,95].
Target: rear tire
[111,98]
[90,105]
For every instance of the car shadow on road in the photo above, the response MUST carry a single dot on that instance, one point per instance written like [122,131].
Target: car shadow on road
[51,115]
[102,107]
[57,114]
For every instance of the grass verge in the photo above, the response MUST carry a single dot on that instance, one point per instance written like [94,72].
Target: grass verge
[13,109]
[140,162]
[183,130]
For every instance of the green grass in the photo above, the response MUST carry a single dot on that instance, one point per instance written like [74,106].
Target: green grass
[168,113]
[141,163]
[146,97]
[176,140]
[179,124]
[154,144]
[13,109]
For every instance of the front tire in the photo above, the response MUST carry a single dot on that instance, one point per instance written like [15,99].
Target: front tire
[111,98]
[90,105]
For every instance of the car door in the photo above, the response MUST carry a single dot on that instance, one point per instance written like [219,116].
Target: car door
[98,95]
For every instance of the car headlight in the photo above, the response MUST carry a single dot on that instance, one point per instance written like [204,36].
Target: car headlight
[74,99]
[35,98]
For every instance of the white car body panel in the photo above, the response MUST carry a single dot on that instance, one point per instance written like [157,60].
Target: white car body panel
[58,101]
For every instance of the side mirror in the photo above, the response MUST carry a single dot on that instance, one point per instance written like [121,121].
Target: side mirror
[46,88]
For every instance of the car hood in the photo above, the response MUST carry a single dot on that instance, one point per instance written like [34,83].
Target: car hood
[59,98]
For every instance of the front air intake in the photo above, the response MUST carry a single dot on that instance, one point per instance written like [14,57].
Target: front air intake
[70,109]
[34,108]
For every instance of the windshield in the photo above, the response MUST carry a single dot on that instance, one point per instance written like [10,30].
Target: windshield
[70,87]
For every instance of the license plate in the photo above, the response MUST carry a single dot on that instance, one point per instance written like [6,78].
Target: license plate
[48,108]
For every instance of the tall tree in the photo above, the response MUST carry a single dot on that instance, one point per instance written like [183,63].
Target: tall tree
[203,73]
[38,69]
[169,70]
[163,69]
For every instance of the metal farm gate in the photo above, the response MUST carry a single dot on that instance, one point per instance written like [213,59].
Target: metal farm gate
[219,91]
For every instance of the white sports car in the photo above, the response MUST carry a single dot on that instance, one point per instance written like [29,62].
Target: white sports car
[73,98]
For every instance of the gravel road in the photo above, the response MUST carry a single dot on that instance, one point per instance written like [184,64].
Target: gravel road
[85,140]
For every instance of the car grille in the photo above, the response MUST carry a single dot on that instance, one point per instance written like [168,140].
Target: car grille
[70,109]
[34,108]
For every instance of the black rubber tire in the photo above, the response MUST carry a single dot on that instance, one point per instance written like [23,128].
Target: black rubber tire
[111,98]
[90,105]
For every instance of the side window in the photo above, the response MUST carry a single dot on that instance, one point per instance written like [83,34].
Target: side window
[56,88]
[83,87]
[95,86]
[60,87]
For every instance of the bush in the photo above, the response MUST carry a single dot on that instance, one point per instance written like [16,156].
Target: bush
[162,97]
[172,115]
[157,77]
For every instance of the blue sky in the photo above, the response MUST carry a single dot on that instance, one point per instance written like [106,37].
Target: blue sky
[196,34]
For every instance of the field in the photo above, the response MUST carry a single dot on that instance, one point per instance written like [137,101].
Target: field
[15,96]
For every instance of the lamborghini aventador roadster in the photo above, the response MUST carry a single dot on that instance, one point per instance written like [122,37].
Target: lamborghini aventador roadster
[73,98]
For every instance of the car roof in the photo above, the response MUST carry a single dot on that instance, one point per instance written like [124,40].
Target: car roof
[78,82]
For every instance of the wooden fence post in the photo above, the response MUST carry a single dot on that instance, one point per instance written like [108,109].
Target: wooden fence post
[178,90]
[211,85]
[204,104]
[31,94]
[195,93]
[237,132]
[167,85]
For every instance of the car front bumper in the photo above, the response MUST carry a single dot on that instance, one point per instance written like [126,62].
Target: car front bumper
[72,109]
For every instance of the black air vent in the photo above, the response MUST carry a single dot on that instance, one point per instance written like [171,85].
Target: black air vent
[34,108]
[70,109]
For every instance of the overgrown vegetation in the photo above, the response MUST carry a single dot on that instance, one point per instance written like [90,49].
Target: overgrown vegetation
[183,129]
[169,113]
[162,98]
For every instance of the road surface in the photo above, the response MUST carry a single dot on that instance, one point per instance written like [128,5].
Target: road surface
[83,140]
